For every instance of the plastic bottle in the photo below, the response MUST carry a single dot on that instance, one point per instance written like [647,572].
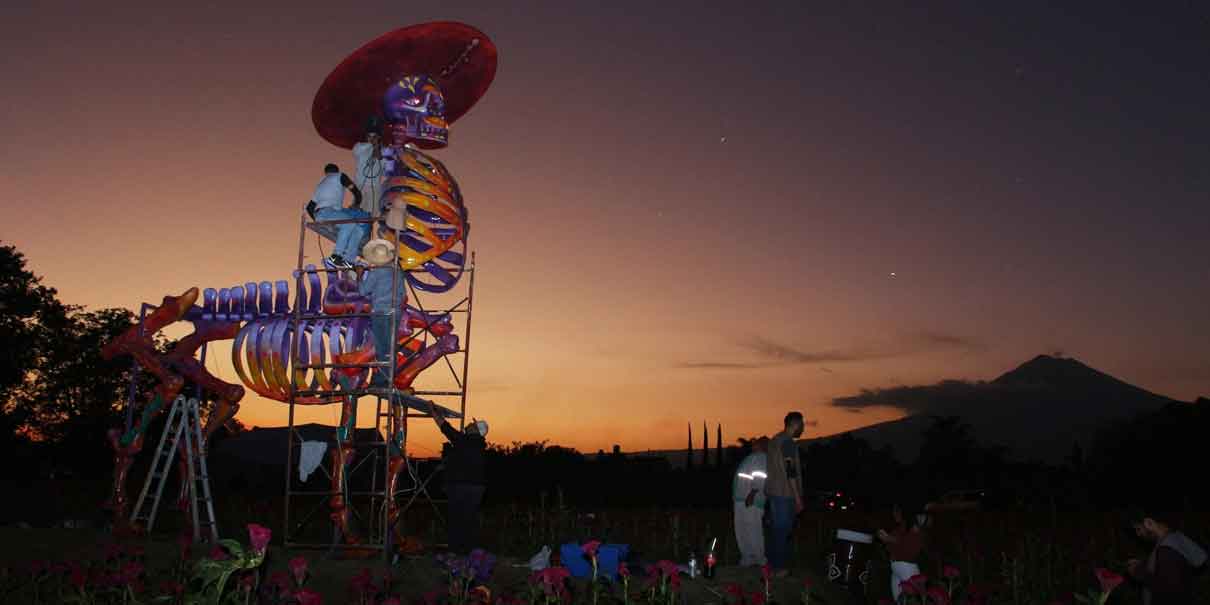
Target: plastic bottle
[692,565]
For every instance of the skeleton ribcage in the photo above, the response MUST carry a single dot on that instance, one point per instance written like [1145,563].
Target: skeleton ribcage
[265,339]
[436,224]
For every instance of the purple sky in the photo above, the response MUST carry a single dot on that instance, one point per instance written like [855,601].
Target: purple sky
[1035,179]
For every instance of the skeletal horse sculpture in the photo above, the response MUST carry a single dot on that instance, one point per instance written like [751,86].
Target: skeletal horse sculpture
[420,79]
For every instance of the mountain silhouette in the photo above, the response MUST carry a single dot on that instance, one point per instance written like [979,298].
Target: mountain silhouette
[1038,410]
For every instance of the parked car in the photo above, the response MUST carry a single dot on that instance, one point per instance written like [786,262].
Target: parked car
[831,501]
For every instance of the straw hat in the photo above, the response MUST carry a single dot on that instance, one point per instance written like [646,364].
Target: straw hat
[378,252]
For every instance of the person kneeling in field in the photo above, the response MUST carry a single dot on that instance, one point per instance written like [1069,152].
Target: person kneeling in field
[904,543]
[1167,574]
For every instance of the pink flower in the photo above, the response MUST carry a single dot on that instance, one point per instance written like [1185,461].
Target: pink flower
[279,580]
[590,548]
[765,572]
[667,568]
[79,577]
[919,581]
[950,572]
[307,596]
[298,568]
[100,578]
[185,543]
[171,587]
[1108,579]
[674,582]
[757,598]
[552,576]
[430,597]
[623,570]
[131,572]
[939,595]
[908,588]
[363,582]
[247,582]
[259,535]
[218,553]
[806,584]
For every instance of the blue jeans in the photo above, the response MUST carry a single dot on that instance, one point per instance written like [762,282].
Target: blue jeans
[349,236]
[380,329]
[781,516]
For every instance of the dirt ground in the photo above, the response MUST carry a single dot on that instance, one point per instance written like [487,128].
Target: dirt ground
[413,576]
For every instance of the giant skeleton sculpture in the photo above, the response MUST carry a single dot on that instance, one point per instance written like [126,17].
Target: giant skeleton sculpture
[416,81]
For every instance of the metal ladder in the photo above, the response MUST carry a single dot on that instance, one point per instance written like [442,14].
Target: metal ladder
[183,420]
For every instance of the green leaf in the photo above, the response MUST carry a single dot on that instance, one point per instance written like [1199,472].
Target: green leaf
[1081,598]
[235,548]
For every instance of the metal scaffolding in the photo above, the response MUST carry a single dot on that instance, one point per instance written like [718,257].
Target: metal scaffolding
[368,499]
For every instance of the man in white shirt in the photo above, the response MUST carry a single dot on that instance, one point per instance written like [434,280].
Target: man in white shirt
[748,495]
[327,204]
[369,167]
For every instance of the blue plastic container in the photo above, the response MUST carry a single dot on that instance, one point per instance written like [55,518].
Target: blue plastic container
[574,560]
[608,557]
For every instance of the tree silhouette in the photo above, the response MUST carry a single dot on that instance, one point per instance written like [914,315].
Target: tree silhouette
[689,452]
[718,447]
[54,387]
[947,452]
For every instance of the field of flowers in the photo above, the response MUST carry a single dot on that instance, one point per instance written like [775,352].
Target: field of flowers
[991,557]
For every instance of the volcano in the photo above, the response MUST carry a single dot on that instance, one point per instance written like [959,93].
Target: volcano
[1039,410]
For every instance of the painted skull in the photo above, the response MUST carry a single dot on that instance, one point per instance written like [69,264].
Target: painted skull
[415,110]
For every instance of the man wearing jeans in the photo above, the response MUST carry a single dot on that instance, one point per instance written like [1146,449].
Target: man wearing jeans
[784,487]
[327,204]
[382,274]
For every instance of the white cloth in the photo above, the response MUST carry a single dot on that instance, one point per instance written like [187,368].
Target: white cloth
[368,173]
[541,560]
[329,193]
[901,571]
[750,534]
[751,475]
[310,454]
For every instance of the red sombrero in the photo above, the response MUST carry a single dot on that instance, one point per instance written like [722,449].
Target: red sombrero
[459,57]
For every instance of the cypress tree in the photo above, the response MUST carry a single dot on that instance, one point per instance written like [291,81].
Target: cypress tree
[689,452]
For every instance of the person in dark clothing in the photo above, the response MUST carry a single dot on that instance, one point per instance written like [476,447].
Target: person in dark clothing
[1167,574]
[465,481]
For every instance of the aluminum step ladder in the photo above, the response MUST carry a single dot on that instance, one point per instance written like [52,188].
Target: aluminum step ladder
[183,421]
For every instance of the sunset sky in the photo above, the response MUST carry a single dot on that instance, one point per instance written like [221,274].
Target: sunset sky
[902,195]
